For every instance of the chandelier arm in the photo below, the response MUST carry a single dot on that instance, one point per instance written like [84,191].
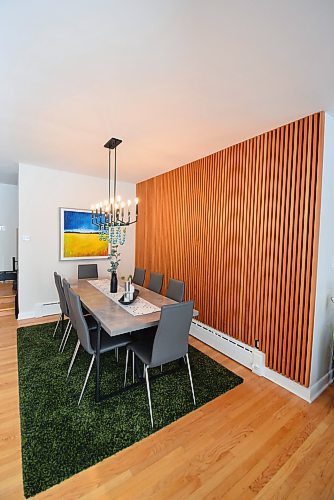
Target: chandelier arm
[111,224]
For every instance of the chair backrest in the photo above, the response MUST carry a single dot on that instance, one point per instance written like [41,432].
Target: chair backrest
[175,290]
[62,299]
[80,322]
[66,288]
[155,283]
[171,339]
[139,276]
[86,271]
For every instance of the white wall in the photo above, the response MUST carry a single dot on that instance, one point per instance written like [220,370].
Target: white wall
[42,192]
[9,221]
[324,308]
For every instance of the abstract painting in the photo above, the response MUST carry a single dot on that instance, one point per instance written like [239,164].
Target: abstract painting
[79,238]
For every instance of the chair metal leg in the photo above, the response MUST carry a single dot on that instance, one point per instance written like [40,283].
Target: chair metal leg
[64,336]
[62,323]
[73,358]
[191,379]
[59,318]
[149,394]
[133,367]
[116,354]
[161,368]
[86,379]
[126,366]
[66,339]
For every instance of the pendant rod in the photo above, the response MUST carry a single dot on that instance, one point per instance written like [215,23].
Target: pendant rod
[115,177]
[109,187]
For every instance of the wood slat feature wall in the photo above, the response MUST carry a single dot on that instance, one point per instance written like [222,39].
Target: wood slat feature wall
[240,227]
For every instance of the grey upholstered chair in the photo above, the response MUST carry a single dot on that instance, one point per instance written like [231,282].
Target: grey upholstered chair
[91,323]
[88,341]
[66,287]
[139,276]
[155,283]
[169,343]
[175,290]
[86,271]
[63,305]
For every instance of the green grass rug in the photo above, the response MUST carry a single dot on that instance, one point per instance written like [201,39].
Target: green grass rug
[60,439]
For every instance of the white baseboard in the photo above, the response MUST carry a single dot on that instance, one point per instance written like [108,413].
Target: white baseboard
[255,360]
[288,384]
[322,384]
[26,315]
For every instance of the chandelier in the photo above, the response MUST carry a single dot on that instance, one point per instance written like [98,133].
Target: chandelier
[113,216]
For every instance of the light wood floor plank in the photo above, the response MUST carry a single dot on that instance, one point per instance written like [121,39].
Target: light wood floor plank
[256,441]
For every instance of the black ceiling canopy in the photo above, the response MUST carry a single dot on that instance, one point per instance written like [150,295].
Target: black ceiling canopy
[113,143]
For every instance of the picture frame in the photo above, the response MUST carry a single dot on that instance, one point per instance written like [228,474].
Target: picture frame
[79,238]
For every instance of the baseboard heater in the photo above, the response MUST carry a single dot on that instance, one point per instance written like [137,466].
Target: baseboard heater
[252,358]
[46,309]
[234,349]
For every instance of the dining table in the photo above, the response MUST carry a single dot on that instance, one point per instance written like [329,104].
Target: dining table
[116,318]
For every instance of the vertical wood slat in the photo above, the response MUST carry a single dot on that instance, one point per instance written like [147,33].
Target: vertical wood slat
[285,214]
[240,227]
[309,238]
[282,203]
[300,262]
[261,261]
[290,279]
[318,163]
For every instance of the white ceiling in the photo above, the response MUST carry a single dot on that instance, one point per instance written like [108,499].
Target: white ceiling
[175,79]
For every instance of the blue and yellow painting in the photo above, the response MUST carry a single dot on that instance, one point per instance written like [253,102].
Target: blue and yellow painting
[80,237]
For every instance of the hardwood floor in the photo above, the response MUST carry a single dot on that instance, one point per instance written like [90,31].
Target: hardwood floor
[7,299]
[256,441]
